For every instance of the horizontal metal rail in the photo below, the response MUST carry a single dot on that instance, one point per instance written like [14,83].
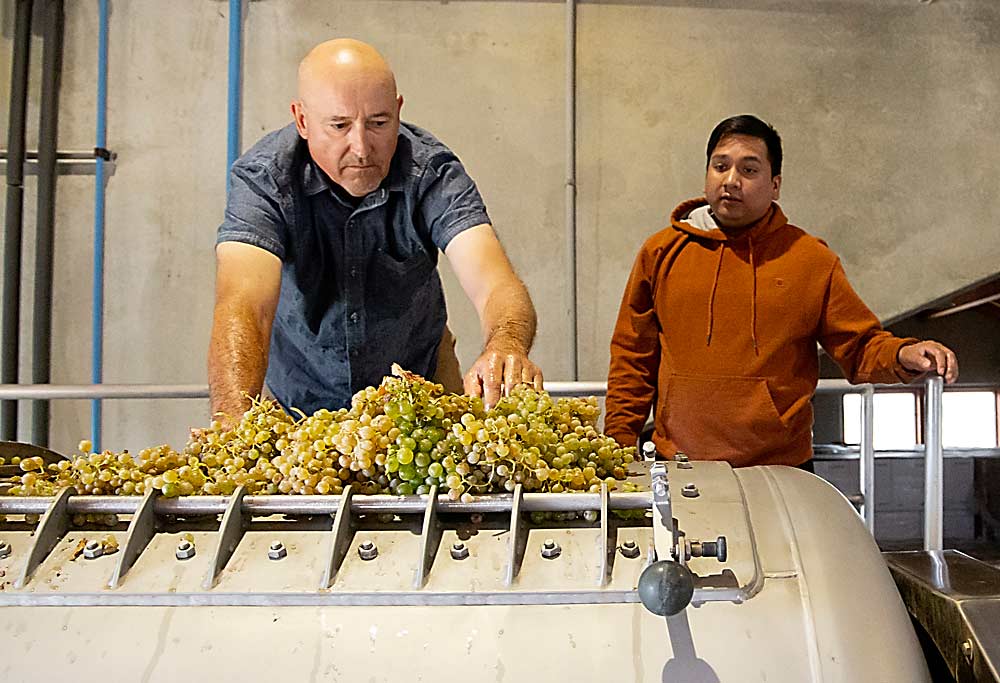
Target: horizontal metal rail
[323,505]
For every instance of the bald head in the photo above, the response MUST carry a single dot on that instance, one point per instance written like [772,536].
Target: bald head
[348,112]
[340,62]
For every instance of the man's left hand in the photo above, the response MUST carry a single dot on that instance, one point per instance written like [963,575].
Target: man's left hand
[930,356]
[497,372]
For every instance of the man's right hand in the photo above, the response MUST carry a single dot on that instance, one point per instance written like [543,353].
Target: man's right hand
[496,372]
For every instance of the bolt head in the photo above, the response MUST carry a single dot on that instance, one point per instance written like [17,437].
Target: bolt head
[277,545]
[5,550]
[185,550]
[367,550]
[459,551]
[630,549]
[690,491]
[550,549]
[277,551]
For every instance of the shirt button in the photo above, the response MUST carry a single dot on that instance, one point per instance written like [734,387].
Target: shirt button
[354,271]
[354,317]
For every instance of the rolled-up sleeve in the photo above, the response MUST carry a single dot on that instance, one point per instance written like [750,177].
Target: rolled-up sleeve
[449,200]
[254,210]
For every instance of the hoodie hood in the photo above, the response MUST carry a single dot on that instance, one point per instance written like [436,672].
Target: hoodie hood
[695,218]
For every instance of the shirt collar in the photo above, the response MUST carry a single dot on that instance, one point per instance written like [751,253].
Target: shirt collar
[314,180]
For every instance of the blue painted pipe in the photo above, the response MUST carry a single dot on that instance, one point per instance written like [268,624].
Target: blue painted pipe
[234,122]
[97,328]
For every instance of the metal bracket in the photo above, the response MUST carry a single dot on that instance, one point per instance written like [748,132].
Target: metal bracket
[140,533]
[234,524]
[75,162]
[51,529]
[606,543]
[518,539]
[430,539]
[341,538]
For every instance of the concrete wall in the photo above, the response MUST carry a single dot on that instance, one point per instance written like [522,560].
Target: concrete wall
[886,108]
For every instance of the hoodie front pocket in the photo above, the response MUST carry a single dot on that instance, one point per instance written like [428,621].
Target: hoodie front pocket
[721,417]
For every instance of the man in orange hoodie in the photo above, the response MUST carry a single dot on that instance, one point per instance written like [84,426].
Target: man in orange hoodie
[722,313]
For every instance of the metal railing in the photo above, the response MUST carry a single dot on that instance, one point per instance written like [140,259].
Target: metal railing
[933,451]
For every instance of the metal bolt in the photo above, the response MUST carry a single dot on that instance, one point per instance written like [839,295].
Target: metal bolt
[367,550]
[680,457]
[550,549]
[5,549]
[630,549]
[185,550]
[649,451]
[967,650]
[459,551]
[277,550]
[684,465]
[93,550]
[690,491]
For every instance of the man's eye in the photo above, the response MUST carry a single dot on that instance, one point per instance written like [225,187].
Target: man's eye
[378,124]
[719,167]
[340,125]
[749,171]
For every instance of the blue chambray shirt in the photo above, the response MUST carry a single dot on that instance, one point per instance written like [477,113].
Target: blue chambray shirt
[359,284]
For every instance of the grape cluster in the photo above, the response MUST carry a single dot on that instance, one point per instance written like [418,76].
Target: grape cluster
[402,437]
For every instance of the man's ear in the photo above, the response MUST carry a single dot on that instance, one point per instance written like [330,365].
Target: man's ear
[299,114]
[775,188]
[399,104]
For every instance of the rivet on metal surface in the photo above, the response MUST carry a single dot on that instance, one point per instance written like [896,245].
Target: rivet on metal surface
[550,549]
[367,550]
[5,550]
[630,549]
[690,491]
[93,550]
[459,551]
[185,550]
[967,650]
[277,550]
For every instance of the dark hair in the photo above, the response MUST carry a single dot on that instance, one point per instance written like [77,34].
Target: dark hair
[748,124]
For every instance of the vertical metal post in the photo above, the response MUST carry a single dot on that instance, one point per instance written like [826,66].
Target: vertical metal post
[97,320]
[571,182]
[13,220]
[867,468]
[933,464]
[235,95]
[48,140]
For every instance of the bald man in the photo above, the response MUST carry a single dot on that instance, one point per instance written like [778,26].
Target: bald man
[326,259]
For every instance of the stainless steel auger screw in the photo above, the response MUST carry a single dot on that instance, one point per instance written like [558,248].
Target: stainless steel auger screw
[185,550]
[277,550]
[550,549]
[690,491]
[459,551]
[5,550]
[630,549]
[93,550]
[367,550]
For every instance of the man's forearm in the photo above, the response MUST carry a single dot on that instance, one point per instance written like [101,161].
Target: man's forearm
[237,360]
[509,319]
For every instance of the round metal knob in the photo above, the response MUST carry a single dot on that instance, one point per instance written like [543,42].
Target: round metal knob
[666,588]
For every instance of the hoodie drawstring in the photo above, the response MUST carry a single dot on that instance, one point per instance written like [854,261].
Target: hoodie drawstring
[753,296]
[711,299]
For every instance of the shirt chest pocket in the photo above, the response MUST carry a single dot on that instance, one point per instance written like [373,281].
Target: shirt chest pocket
[396,284]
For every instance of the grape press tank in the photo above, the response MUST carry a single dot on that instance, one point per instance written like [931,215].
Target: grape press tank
[756,574]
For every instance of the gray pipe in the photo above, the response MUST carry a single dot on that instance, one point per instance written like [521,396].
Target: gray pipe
[571,186]
[15,213]
[48,140]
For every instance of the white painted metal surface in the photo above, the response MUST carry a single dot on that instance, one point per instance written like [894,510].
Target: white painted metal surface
[819,602]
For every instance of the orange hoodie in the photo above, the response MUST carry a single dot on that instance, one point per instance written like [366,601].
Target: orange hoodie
[722,332]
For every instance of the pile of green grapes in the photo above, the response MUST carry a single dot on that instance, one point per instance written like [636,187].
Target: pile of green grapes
[401,438]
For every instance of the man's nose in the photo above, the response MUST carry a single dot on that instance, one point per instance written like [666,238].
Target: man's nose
[360,145]
[731,178]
